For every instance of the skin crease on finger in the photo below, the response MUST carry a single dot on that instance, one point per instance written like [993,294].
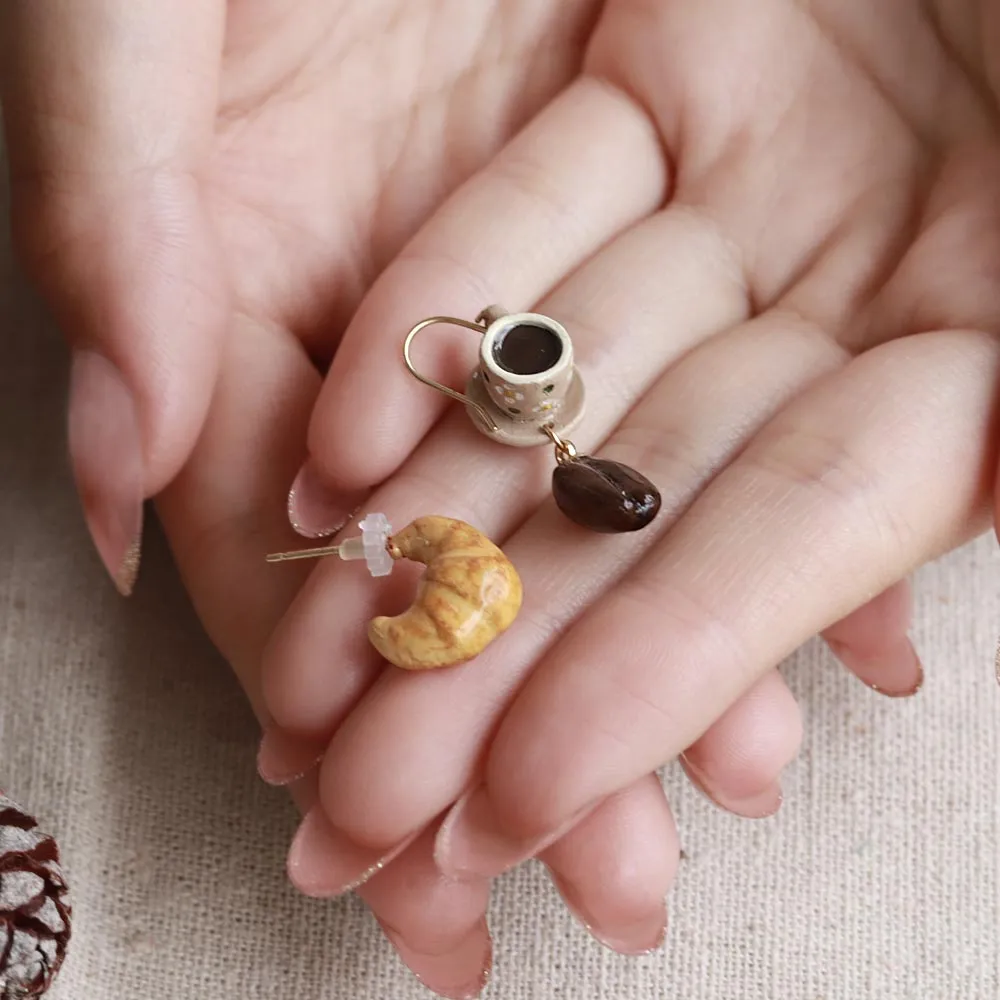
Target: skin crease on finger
[846,278]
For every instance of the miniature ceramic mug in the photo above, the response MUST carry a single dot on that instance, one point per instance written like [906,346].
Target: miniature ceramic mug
[526,367]
[524,387]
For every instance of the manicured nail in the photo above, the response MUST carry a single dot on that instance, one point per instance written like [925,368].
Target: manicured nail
[896,672]
[282,759]
[460,974]
[756,805]
[470,842]
[323,862]
[314,511]
[106,453]
[638,936]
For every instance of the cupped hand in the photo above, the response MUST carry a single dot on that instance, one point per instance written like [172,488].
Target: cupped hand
[204,192]
[787,319]
[177,168]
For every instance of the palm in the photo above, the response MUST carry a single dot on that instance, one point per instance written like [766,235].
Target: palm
[847,149]
[342,125]
[832,189]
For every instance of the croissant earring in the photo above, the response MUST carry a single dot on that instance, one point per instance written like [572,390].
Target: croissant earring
[469,594]
[526,391]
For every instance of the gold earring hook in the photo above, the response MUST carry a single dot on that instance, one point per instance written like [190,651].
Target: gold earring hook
[453,394]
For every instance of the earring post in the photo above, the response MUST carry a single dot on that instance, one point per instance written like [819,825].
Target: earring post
[329,550]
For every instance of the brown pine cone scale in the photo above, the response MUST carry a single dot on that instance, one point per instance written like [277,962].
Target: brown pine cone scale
[34,906]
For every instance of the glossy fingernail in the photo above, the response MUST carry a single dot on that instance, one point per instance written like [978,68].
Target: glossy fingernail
[638,935]
[323,862]
[471,843]
[756,805]
[283,759]
[314,511]
[459,974]
[105,449]
[895,672]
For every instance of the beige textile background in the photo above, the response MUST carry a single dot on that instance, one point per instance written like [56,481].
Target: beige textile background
[124,731]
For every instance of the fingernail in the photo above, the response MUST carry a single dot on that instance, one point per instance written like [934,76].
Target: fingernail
[106,454]
[633,937]
[757,805]
[314,511]
[470,843]
[323,862]
[460,974]
[282,759]
[896,672]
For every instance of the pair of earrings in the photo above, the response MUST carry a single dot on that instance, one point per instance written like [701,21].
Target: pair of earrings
[525,391]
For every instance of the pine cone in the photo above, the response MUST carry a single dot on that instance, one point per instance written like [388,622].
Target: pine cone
[34,908]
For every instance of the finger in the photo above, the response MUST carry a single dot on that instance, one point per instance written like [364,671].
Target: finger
[614,870]
[222,514]
[588,167]
[840,496]
[738,762]
[437,925]
[107,214]
[872,643]
[506,484]
[688,427]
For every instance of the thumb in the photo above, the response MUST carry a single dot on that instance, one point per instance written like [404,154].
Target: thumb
[109,109]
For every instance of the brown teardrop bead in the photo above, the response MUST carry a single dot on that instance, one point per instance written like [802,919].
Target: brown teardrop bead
[603,495]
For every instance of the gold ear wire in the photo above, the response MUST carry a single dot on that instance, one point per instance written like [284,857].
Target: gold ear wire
[451,393]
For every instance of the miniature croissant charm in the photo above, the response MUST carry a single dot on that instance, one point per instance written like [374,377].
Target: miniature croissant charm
[469,594]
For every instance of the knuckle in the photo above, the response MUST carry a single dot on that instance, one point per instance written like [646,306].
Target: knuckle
[522,791]
[436,916]
[752,766]
[664,664]
[757,739]
[689,629]
[355,813]
[416,264]
[529,179]
[670,458]
[841,490]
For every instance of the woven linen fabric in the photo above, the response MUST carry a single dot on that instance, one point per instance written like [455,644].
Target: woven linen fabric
[124,732]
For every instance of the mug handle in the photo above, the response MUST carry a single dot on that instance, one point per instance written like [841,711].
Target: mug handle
[461,397]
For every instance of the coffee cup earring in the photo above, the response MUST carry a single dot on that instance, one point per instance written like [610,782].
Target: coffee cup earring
[526,391]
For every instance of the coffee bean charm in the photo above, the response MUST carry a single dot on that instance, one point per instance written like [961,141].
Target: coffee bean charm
[599,494]
[603,495]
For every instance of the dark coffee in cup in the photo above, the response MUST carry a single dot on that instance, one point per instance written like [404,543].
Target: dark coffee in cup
[527,349]
[526,368]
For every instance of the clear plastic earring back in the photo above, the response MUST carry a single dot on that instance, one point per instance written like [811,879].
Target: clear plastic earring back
[372,545]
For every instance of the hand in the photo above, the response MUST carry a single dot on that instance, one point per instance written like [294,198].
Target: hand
[203,199]
[180,170]
[790,326]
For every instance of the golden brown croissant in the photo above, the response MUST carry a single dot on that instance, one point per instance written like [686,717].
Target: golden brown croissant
[469,594]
